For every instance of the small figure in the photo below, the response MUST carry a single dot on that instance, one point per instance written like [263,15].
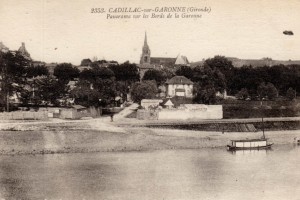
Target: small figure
[111,117]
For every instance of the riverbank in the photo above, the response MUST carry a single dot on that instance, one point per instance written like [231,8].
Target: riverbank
[103,136]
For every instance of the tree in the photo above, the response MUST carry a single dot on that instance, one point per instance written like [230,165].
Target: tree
[96,87]
[12,73]
[169,73]
[102,73]
[87,74]
[66,72]
[221,63]
[50,90]
[206,76]
[267,91]
[185,71]
[242,94]
[85,95]
[143,90]
[206,94]
[153,74]
[291,94]
[39,70]
[127,72]
[272,92]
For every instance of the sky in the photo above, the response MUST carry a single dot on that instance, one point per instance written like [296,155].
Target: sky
[67,31]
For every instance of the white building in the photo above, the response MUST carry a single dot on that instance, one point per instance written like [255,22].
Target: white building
[179,86]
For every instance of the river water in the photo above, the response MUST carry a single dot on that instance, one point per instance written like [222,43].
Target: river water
[167,174]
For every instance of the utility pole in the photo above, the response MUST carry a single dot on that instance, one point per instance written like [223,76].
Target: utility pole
[262,119]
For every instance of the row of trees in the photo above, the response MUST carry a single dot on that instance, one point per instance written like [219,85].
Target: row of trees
[101,86]
[218,74]
[98,86]
[281,77]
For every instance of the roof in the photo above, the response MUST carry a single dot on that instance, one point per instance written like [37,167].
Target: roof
[179,80]
[86,62]
[162,61]
[168,103]
[146,66]
[251,140]
[181,60]
[3,48]
[177,101]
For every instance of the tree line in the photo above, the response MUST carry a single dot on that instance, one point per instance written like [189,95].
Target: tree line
[35,86]
[217,74]
[105,86]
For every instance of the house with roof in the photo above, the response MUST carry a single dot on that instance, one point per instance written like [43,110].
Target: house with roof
[179,86]
[147,62]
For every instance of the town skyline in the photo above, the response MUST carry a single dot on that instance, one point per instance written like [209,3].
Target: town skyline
[70,33]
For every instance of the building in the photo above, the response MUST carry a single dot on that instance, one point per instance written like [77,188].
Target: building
[3,48]
[24,51]
[147,62]
[179,86]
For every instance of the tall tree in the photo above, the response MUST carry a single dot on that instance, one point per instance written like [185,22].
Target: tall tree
[208,81]
[127,72]
[267,91]
[96,87]
[12,73]
[223,65]
[185,71]
[158,76]
[50,90]
[291,94]
[66,72]
[34,71]
[143,90]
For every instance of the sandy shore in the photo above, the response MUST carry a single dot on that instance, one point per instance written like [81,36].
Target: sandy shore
[103,136]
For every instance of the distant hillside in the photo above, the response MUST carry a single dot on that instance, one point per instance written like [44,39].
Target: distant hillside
[254,62]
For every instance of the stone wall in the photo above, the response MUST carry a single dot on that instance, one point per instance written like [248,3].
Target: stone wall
[205,112]
[24,115]
[188,111]
[147,114]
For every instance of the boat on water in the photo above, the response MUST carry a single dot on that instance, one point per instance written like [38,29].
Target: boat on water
[249,144]
[259,143]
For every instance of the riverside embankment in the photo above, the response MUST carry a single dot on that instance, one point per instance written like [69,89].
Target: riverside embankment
[101,135]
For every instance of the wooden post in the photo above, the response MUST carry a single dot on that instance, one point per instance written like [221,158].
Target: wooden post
[263,127]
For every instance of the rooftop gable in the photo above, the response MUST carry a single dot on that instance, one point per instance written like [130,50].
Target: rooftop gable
[182,80]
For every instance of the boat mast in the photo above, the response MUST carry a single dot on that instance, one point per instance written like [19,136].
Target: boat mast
[262,120]
[263,127]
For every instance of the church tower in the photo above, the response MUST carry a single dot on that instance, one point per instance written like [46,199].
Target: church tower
[24,51]
[145,58]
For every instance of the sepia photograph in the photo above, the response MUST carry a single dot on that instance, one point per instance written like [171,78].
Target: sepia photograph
[149,100]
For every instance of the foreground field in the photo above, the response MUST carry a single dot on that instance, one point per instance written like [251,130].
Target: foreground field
[99,135]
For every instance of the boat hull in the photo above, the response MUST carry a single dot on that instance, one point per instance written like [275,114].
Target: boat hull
[234,148]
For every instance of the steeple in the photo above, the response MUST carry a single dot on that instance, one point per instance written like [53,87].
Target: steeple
[145,40]
[145,58]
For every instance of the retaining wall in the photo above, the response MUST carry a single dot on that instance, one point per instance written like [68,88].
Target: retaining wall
[207,112]
[24,115]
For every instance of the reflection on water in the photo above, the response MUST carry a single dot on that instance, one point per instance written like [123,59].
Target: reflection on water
[172,174]
[260,152]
